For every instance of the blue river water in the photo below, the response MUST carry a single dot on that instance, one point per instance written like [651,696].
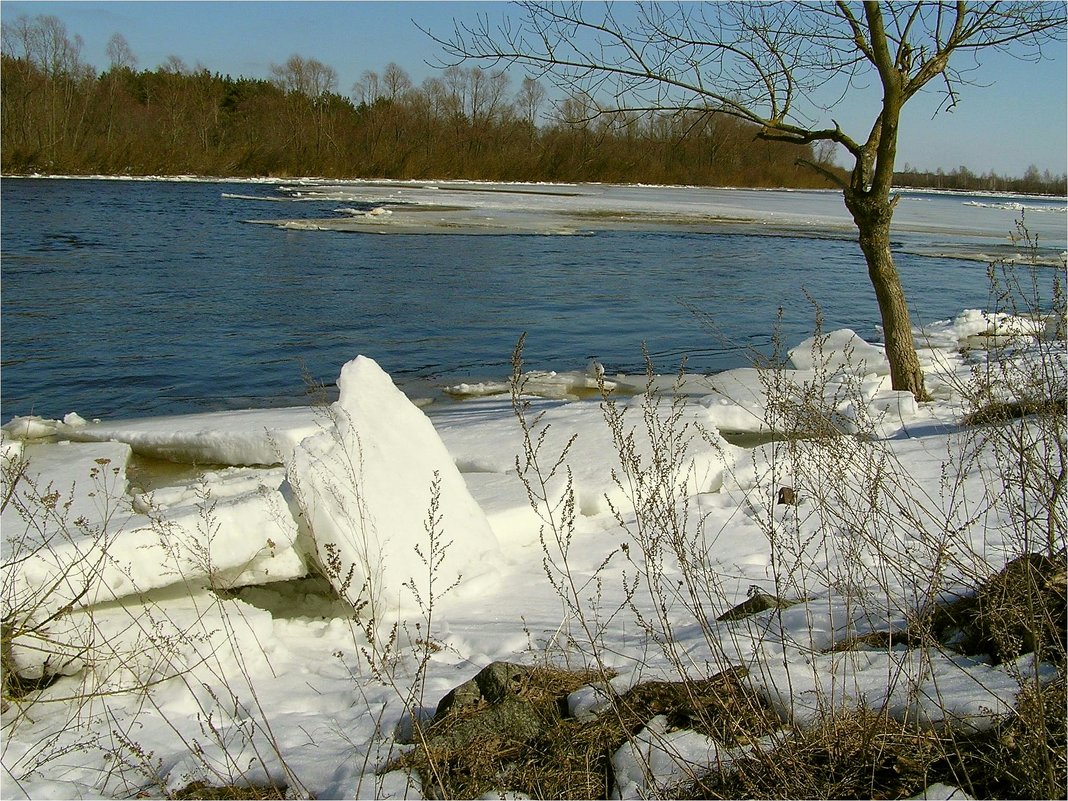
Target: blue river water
[124,299]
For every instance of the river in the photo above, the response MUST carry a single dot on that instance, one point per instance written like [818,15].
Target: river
[134,298]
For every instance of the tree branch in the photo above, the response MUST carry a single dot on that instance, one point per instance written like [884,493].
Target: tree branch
[830,176]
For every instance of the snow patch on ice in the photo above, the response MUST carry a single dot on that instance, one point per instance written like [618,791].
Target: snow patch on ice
[1016,206]
[243,437]
[569,385]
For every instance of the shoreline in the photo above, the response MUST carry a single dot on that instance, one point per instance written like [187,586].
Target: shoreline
[192,178]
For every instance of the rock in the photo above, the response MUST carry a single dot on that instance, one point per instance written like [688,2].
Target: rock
[491,707]
[758,601]
[493,684]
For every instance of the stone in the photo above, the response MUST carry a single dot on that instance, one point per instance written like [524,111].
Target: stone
[758,601]
[491,707]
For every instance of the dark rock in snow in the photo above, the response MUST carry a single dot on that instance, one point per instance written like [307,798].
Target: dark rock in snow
[491,707]
[758,601]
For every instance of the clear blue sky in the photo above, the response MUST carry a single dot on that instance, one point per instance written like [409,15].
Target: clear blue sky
[1019,117]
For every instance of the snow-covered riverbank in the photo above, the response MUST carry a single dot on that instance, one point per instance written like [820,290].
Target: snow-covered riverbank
[263,608]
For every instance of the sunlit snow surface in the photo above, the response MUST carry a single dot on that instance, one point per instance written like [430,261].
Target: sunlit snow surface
[959,223]
[278,680]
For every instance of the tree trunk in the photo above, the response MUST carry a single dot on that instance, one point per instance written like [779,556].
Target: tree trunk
[872,215]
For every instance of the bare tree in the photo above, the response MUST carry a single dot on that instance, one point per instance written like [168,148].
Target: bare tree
[119,53]
[306,76]
[307,80]
[43,43]
[122,60]
[775,65]
[487,96]
[174,65]
[395,81]
[530,98]
[368,89]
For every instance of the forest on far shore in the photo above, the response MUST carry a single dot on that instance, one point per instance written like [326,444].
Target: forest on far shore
[59,116]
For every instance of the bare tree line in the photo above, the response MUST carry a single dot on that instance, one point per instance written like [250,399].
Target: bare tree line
[60,116]
[1032,182]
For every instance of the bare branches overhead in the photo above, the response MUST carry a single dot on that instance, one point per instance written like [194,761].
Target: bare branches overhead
[764,62]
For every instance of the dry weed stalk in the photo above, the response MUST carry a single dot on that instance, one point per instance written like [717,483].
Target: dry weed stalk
[857,540]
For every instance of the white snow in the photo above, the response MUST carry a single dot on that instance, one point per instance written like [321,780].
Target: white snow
[839,351]
[73,534]
[244,437]
[161,600]
[1017,206]
[943,792]
[659,759]
[543,383]
[391,517]
[493,207]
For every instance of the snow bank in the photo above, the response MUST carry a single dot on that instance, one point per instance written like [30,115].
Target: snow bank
[74,535]
[507,507]
[747,400]
[31,427]
[845,381]
[88,482]
[367,487]
[363,472]
[591,458]
[973,328]
[244,437]
[839,351]
[1017,347]
[88,546]
[924,686]
[10,450]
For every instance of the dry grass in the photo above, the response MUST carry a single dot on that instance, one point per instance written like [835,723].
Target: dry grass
[866,754]
[1019,610]
[999,412]
[1022,757]
[857,754]
[14,686]
[200,790]
[450,764]
[569,757]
